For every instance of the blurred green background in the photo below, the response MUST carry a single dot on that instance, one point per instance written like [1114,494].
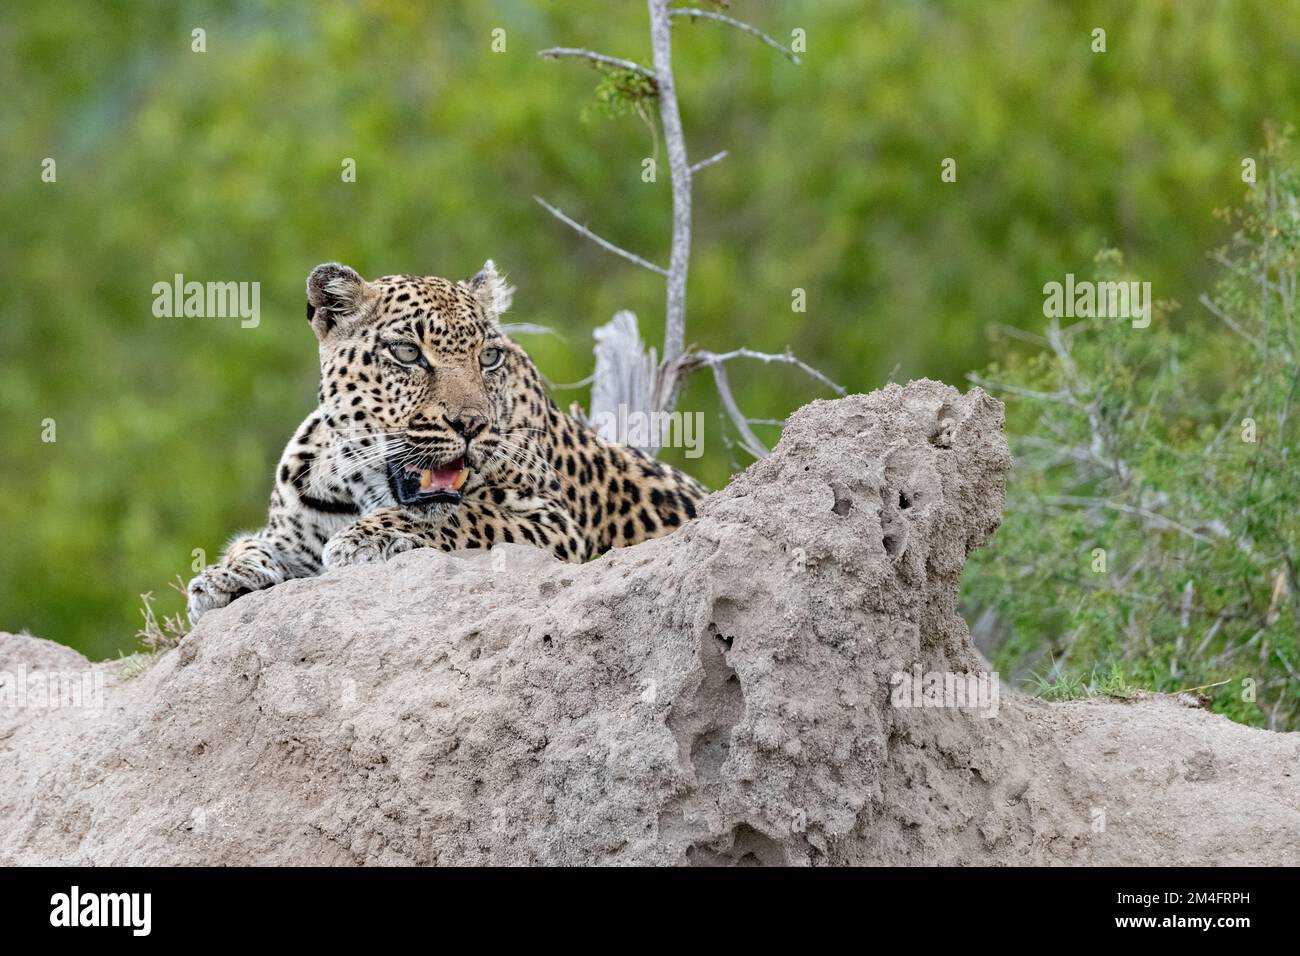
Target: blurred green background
[225,165]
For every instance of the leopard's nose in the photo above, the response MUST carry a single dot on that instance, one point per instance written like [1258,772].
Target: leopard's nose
[467,424]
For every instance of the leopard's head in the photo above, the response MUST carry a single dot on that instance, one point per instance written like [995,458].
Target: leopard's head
[415,374]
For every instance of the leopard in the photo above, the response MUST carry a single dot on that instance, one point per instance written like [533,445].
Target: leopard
[434,429]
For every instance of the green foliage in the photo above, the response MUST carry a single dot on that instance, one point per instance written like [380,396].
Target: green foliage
[621,90]
[1059,686]
[1153,517]
[1113,682]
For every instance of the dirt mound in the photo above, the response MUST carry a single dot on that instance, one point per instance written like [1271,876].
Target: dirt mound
[784,680]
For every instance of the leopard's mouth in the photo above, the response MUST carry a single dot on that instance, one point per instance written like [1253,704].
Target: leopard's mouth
[423,483]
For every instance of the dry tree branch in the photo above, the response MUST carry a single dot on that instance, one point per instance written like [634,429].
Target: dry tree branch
[989,385]
[624,378]
[1011,332]
[679,171]
[716,157]
[626,372]
[739,25]
[567,386]
[603,243]
[528,328]
[1153,516]
[788,357]
[716,362]
[556,52]
[747,437]
[1103,439]
[1227,320]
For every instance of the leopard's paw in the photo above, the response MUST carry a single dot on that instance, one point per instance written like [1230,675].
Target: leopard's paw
[248,565]
[363,546]
[216,587]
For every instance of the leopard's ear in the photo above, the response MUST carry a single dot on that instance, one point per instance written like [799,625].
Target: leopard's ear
[491,290]
[335,294]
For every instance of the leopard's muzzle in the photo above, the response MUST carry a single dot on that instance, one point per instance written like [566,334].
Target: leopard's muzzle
[418,480]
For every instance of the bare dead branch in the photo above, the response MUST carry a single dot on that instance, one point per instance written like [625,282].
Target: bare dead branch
[1011,332]
[529,328]
[717,362]
[582,383]
[624,381]
[1080,454]
[716,157]
[556,52]
[1152,516]
[680,179]
[1237,267]
[1063,398]
[748,439]
[1227,319]
[603,243]
[787,357]
[1102,437]
[739,25]
[627,368]
[1209,634]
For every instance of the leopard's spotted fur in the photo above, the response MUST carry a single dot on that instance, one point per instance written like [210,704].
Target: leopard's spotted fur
[537,476]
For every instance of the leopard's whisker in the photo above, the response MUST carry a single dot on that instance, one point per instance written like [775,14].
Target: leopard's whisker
[524,456]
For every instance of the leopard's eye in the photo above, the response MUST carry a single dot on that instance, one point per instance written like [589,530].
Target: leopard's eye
[491,357]
[404,352]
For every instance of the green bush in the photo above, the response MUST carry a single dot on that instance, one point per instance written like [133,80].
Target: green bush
[1153,514]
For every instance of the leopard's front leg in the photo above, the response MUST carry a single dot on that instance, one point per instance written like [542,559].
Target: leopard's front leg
[249,563]
[306,508]
[477,522]
[288,547]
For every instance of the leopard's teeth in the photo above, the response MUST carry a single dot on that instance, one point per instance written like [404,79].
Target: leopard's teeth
[460,479]
[426,480]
